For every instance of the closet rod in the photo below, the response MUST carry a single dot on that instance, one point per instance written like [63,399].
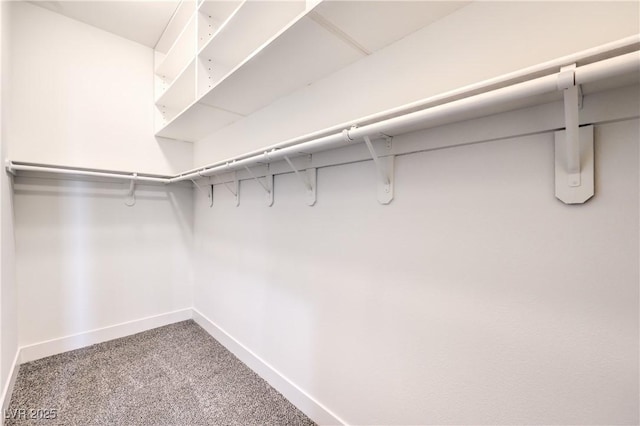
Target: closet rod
[617,47]
[11,167]
[440,114]
[443,113]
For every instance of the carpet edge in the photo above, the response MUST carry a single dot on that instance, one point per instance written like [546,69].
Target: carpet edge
[59,345]
[298,397]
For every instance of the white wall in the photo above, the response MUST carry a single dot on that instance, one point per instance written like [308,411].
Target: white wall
[479,41]
[475,297]
[8,297]
[84,97]
[86,261]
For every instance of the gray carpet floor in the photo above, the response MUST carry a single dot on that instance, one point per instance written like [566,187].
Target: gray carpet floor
[172,375]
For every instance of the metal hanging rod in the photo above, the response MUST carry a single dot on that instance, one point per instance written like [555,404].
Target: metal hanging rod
[439,114]
[442,113]
[13,167]
[605,51]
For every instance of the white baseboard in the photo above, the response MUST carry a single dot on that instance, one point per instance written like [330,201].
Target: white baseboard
[11,380]
[99,335]
[303,401]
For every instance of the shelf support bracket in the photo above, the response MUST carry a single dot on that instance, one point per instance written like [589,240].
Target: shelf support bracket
[267,185]
[384,166]
[130,201]
[309,180]
[235,191]
[574,162]
[209,194]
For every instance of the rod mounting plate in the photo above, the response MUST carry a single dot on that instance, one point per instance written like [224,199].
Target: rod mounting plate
[269,184]
[571,187]
[311,193]
[385,189]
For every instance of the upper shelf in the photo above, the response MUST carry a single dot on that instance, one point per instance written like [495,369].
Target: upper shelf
[281,67]
[181,92]
[174,28]
[308,47]
[180,54]
[214,15]
[251,24]
[195,122]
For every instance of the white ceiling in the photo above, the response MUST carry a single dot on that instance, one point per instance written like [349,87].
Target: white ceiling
[144,21]
[140,21]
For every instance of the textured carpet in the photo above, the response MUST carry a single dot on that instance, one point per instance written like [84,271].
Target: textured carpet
[172,375]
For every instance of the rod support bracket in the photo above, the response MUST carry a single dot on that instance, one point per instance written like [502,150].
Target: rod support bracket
[235,191]
[267,185]
[311,193]
[388,141]
[130,201]
[267,155]
[236,186]
[385,168]
[345,134]
[308,179]
[573,146]
[208,193]
[8,165]
[574,188]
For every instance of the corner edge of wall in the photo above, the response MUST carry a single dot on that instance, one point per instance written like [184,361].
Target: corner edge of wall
[56,346]
[11,381]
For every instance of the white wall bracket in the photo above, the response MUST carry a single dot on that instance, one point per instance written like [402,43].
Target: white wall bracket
[572,188]
[573,146]
[235,191]
[309,180]
[209,193]
[267,185]
[385,168]
[130,201]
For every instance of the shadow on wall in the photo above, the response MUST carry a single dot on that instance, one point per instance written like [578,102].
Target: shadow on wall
[177,154]
[75,191]
[87,260]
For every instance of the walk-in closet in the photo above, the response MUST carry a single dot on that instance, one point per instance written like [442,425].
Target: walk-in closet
[359,212]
